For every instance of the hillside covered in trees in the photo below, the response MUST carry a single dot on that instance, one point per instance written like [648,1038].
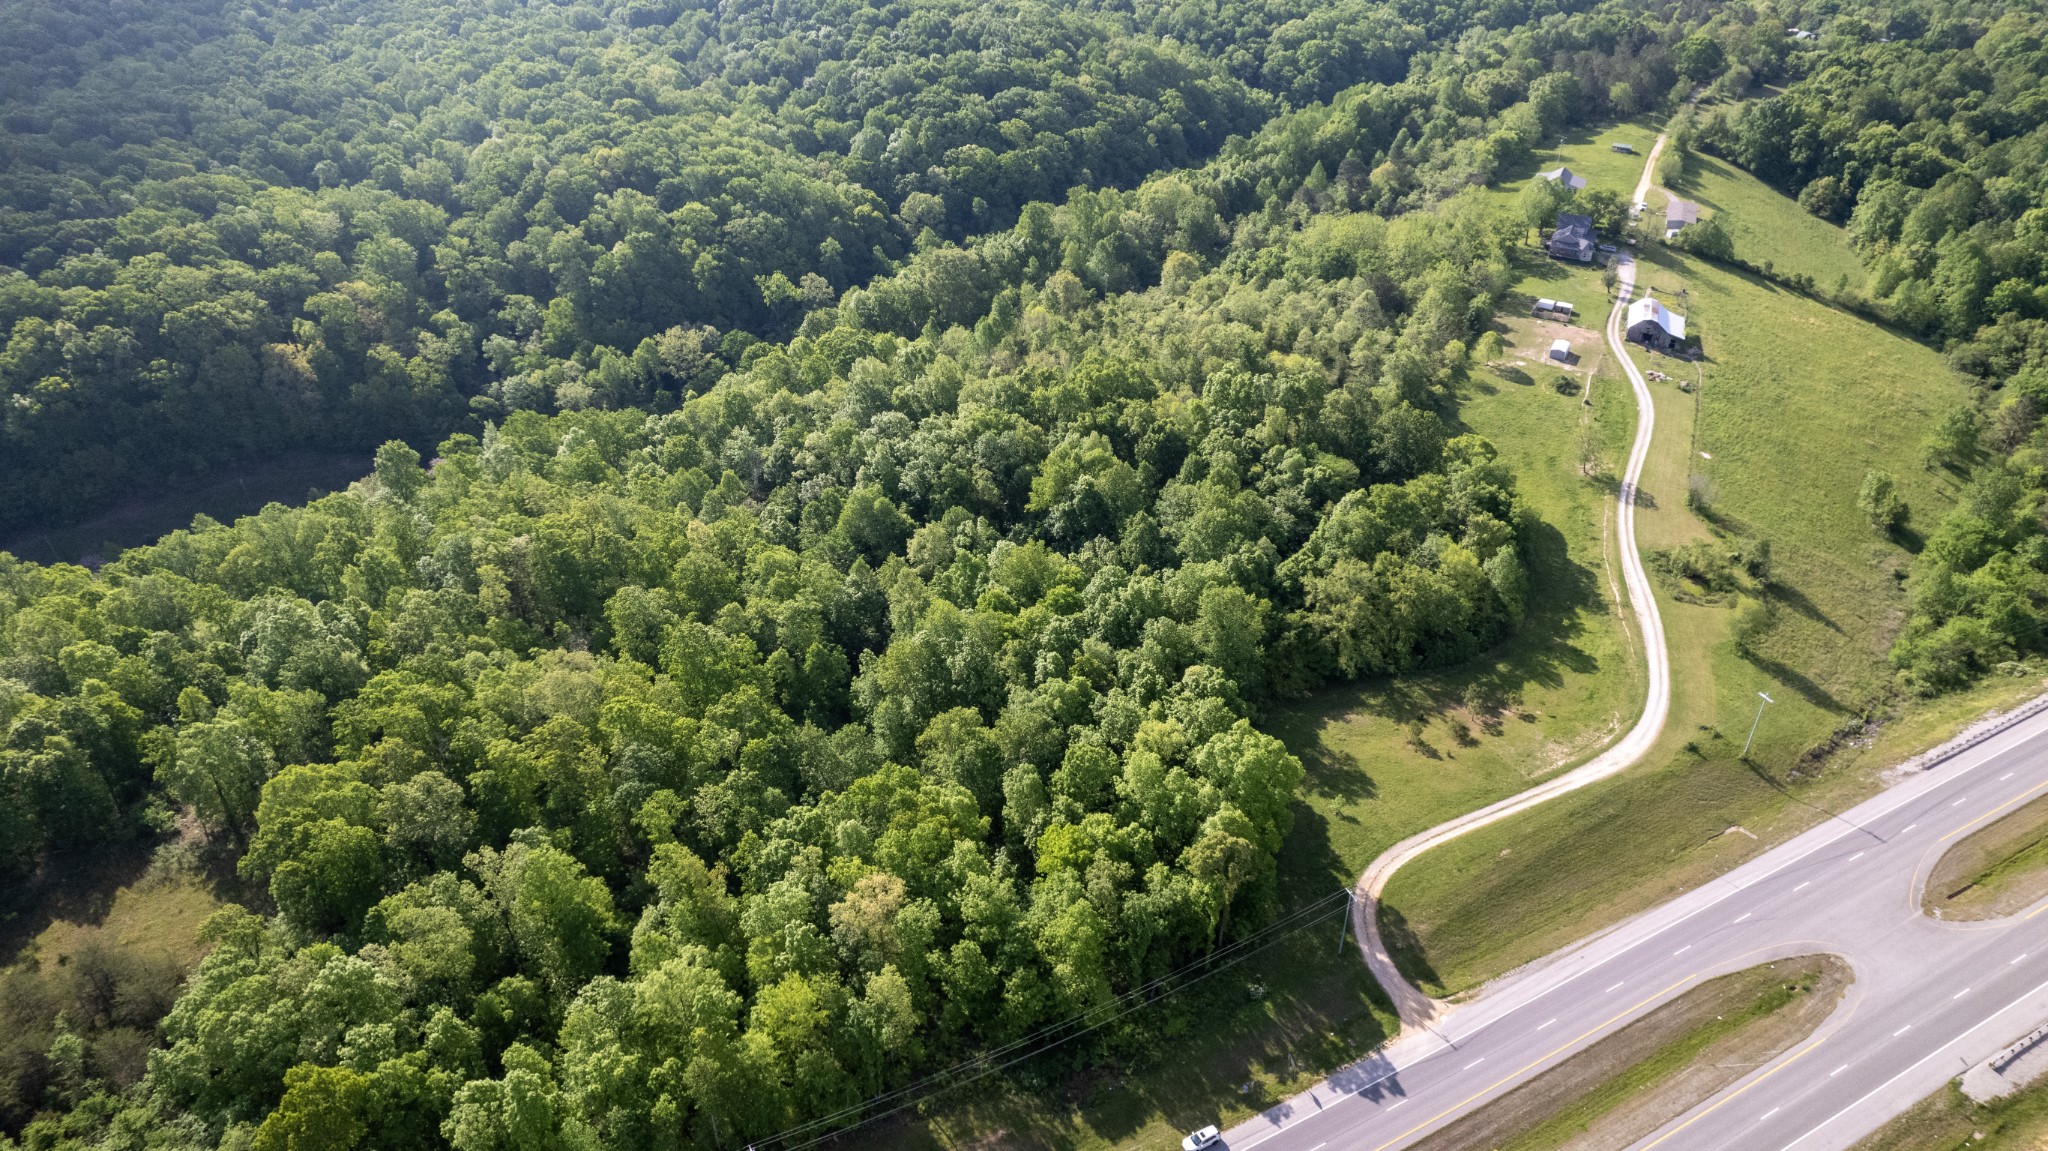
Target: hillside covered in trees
[888,459]
[231,227]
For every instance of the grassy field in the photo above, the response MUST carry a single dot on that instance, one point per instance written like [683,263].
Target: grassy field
[1949,1121]
[1589,152]
[1767,226]
[1998,869]
[1797,401]
[1631,1083]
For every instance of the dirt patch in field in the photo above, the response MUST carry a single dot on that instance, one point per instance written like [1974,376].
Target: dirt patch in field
[1997,870]
[1631,1083]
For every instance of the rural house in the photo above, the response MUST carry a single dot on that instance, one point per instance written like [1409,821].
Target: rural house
[1678,214]
[1573,239]
[1653,325]
[1564,176]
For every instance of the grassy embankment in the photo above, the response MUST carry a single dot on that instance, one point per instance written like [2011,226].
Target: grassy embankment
[1949,1120]
[1634,1081]
[1996,870]
[1798,400]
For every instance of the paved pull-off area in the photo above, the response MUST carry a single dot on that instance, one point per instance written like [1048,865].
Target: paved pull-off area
[1930,999]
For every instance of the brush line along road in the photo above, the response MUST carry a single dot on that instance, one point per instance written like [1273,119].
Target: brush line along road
[1929,998]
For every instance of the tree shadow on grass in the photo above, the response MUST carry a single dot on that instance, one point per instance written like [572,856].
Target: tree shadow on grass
[1798,601]
[1808,690]
[1406,950]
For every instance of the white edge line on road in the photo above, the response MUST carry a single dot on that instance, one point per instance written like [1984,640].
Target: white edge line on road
[1936,783]
[1886,1085]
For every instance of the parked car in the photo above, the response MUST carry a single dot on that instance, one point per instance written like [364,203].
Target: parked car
[1197,1140]
[1609,248]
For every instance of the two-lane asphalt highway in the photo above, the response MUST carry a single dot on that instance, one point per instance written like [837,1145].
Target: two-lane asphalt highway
[1929,998]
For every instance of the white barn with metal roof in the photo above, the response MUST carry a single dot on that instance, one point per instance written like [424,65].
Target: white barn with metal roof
[1651,323]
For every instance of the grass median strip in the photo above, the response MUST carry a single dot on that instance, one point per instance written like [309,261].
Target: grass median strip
[1996,870]
[1631,1083]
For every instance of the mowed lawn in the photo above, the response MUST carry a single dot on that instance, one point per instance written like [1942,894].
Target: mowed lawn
[1798,401]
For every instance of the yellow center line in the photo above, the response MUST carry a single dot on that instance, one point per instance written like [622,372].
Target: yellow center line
[1731,1096]
[1537,1062]
[1992,812]
[2036,911]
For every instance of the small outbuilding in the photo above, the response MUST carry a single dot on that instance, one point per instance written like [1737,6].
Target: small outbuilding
[1561,351]
[1566,177]
[1678,214]
[1653,325]
[1573,238]
[1624,149]
[1562,307]
[1543,305]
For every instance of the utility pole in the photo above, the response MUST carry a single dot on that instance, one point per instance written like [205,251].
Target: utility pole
[1350,897]
[1767,700]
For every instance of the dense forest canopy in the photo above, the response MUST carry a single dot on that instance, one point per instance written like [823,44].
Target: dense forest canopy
[239,226]
[229,228]
[887,700]
[831,650]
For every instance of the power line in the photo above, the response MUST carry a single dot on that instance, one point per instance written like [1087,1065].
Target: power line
[1286,923]
[987,1063]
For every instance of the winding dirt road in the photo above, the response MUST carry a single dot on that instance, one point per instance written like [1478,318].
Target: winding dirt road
[1417,1009]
